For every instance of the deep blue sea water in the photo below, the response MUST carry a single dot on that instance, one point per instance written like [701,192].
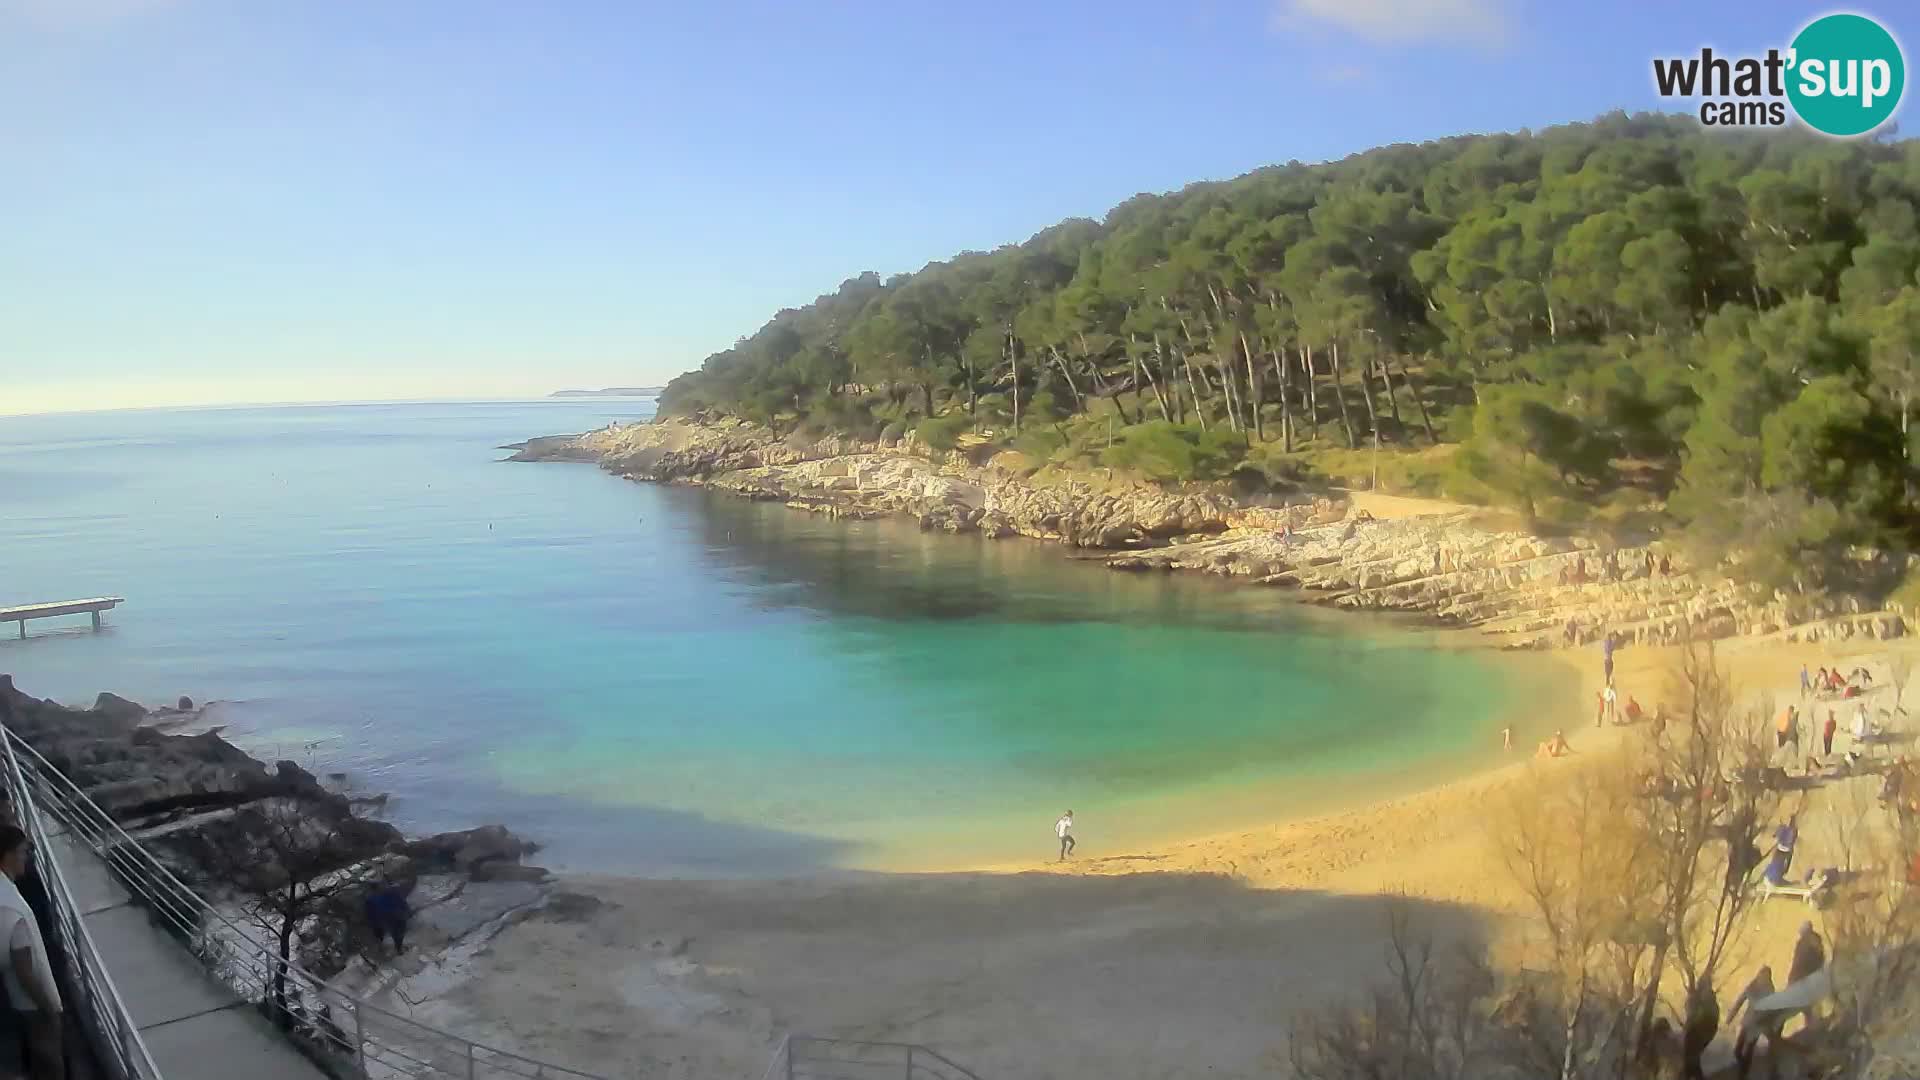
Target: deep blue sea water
[659,680]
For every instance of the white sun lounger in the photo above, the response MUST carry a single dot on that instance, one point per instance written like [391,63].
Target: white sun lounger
[1810,891]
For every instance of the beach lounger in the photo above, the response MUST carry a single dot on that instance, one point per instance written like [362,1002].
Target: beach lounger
[1810,891]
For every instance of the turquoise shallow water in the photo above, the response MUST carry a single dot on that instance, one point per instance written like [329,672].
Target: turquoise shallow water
[657,680]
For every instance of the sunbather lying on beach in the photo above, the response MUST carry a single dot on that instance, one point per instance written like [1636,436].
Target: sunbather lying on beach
[1554,747]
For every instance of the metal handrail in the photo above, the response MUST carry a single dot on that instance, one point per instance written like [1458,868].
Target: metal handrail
[806,1057]
[102,1011]
[372,1042]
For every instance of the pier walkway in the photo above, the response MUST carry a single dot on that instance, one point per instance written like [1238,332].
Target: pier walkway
[25,612]
[193,1026]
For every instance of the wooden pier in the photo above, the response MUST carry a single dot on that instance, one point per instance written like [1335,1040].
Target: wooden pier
[91,607]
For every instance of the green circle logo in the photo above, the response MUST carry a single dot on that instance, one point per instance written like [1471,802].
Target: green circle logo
[1847,75]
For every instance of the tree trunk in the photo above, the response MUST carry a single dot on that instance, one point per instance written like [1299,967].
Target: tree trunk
[1146,370]
[280,1014]
[1172,378]
[1340,394]
[1013,358]
[1253,389]
[1393,398]
[1366,390]
[1286,399]
[1419,399]
[1199,407]
[1313,394]
[926,395]
[1100,387]
[973,398]
[1229,388]
[1078,401]
[1906,449]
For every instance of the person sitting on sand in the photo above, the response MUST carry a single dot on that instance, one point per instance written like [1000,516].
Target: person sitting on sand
[1633,710]
[1064,830]
[1896,781]
[1555,747]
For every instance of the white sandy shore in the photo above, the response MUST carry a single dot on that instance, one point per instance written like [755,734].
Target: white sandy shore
[1182,961]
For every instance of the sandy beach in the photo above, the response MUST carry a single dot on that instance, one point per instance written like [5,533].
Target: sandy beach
[1185,960]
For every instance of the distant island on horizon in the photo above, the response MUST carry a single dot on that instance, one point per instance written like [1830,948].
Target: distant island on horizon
[611,391]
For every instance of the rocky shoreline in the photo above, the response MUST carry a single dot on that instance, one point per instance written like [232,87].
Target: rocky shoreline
[1521,589]
[179,796]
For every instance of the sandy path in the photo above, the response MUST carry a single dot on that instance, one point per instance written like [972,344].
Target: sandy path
[1178,962]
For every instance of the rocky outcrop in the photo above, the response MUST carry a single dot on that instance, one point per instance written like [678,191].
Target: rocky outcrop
[181,794]
[1526,590]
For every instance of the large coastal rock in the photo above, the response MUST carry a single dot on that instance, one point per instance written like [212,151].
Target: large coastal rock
[180,795]
[1527,590]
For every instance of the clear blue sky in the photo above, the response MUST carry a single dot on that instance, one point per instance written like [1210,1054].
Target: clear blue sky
[219,200]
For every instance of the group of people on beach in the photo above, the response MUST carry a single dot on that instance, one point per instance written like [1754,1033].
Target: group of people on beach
[1766,1017]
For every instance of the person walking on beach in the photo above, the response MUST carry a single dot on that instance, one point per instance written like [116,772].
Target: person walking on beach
[1606,657]
[1064,830]
[29,973]
[1806,681]
[1758,1025]
[1826,734]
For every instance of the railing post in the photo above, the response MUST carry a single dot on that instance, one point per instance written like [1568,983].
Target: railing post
[909,1061]
[469,1061]
[789,1045]
[360,1039]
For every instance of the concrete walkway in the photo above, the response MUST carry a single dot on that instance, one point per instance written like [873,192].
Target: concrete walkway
[195,1027]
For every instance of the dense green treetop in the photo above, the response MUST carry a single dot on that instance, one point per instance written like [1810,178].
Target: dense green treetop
[1723,324]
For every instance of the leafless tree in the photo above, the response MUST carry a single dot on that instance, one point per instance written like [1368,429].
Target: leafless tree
[1434,1018]
[1635,869]
[1874,928]
[288,858]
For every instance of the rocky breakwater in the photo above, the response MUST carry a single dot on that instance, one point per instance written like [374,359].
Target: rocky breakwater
[235,830]
[1527,591]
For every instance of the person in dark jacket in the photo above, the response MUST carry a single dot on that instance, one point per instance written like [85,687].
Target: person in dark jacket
[387,915]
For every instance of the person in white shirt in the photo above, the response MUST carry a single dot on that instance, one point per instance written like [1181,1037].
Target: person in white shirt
[1064,830]
[28,974]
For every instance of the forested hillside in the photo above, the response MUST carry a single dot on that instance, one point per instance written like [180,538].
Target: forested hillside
[1632,316]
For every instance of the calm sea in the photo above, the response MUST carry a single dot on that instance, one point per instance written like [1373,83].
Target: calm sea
[656,680]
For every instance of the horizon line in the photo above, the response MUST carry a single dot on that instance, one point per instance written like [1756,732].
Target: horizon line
[211,406]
